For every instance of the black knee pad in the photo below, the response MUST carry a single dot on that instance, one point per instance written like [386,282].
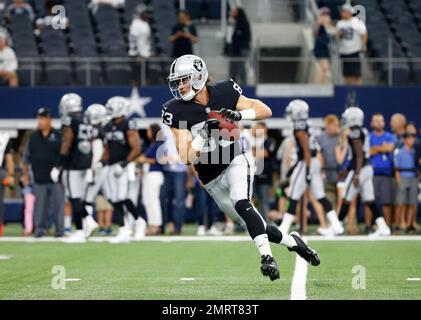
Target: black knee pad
[327,206]
[251,217]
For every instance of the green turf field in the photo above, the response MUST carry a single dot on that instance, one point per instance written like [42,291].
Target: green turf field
[221,270]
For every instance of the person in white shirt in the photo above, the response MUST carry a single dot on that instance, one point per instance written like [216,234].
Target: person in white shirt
[8,63]
[140,40]
[352,36]
[95,4]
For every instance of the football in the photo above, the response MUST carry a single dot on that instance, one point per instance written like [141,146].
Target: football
[228,130]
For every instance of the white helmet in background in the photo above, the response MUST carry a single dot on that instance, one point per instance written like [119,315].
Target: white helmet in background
[96,114]
[297,110]
[353,117]
[117,107]
[188,70]
[70,103]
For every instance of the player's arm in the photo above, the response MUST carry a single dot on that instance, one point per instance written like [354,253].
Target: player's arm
[183,140]
[358,148]
[252,109]
[133,140]
[302,138]
[106,154]
[66,145]
[10,168]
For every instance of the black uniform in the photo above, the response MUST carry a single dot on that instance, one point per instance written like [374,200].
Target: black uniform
[302,125]
[191,115]
[117,140]
[358,133]
[80,156]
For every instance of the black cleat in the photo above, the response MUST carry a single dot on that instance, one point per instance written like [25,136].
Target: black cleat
[304,251]
[269,268]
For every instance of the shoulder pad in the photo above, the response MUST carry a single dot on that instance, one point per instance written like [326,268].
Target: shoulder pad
[66,121]
[355,134]
[300,125]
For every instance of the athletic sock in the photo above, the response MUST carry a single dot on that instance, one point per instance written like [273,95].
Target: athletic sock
[131,208]
[344,211]
[77,213]
[277,236]
[119,213]
[375,209]
[262,244]
[88,208]
[287,220]
[327,206]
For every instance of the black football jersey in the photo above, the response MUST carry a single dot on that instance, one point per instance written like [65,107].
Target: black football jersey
[302,125]
[117,140]
[218,153]
[358,133]
[80,155]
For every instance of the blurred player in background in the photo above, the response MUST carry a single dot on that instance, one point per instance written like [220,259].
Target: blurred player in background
[360,172]
[122,147]
[75,158]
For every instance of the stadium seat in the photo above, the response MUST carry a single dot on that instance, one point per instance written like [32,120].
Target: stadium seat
[27,71]
[58,74]
[118,74]
[84,72]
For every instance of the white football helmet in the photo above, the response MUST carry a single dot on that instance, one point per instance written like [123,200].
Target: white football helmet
[96,114]
[353,117]
[189,72]
[117,107]
[70,103]
[297,110]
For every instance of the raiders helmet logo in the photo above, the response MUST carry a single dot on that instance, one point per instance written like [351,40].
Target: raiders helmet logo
[198,65]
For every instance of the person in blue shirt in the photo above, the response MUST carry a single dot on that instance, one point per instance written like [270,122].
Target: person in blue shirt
[153,179]
[381,158]
[407,181]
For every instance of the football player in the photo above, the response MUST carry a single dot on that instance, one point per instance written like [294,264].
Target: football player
[221,165]
[96,116]
[75,158]
[307,170]
[360,172]
[122,147]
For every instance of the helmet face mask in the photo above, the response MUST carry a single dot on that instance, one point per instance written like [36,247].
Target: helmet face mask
[177,85]
[188,76]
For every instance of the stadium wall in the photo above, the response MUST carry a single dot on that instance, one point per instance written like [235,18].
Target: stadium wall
[21,103]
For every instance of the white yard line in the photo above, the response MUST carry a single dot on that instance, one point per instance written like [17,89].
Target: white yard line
[210,238]
[299,280]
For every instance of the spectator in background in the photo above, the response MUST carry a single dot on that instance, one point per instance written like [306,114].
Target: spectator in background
[264,153]
[8,63]
[183,35]
[153,179]
[19,7]
[51,17]
[398,125]
[173,192]
[7,172]
[6,33]
[238,38]
[328,140]
[407,181]
[94,5]
[381,157]
[352,36]
[321,47]
[140,40]
[104,215]
[41,155]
